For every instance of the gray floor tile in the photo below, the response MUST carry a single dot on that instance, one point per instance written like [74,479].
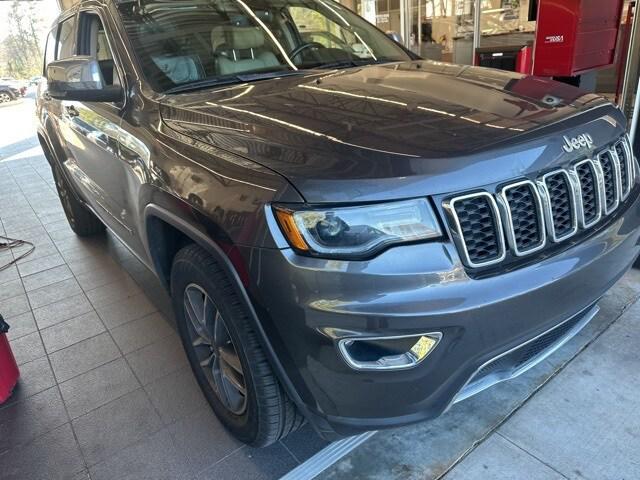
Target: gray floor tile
[61,224]
[52,456]
[29,267]
[119,313]
[46,277]
[23,421]
[83,356]
[21,325]
[103,276]
[304,443]
[35,377]
[61,234]
[14,306]
[90,263]
[51,215]
[158,359]
[76,247]
[54,293]
[13,226]
[588,414]
[71,331]
[10,289]
[139,333]
[113,292]
[97,387]
[499,459]
[62,310]
[9,274]
[202,440]
[154,458]
[73,249]
[252,464]
[176,395]
[112,427]
[27,348]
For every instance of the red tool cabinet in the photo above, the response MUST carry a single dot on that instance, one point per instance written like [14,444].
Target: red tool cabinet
[8,368]
[575,36]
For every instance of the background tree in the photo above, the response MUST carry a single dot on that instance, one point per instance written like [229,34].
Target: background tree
[21,48]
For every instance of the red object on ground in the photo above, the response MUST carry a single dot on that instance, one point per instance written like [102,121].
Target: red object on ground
[9,372]
[575,36]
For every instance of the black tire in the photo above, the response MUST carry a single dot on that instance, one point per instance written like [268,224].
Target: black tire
[268,413]
[82,221]
[6,96]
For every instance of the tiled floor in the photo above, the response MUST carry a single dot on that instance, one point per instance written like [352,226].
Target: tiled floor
[106,391]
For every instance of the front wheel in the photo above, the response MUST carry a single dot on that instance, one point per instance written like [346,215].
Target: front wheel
[225,353]
[82,221]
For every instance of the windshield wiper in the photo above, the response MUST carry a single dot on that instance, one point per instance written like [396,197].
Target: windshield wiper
[353,63]
[242,78]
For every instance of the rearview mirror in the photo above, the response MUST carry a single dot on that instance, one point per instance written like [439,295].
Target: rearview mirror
[79,78]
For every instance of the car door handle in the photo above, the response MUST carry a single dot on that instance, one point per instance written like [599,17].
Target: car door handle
[71,111]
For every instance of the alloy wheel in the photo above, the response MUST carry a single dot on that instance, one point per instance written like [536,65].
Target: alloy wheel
[63,193]
[4,98]
[214,349]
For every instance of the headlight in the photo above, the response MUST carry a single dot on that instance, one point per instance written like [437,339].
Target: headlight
[357,231]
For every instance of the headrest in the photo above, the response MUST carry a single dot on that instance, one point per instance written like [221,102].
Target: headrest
[237,38]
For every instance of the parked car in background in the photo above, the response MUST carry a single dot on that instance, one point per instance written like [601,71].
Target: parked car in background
[19,85]
[351,236]
[33,81]
[8,93]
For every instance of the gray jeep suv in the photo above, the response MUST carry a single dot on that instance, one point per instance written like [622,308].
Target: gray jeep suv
[350,235]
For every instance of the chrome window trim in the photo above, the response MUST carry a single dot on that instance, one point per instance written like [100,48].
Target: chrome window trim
[546,202]
[458,237]
[598,182]
[508,219]
[616,177]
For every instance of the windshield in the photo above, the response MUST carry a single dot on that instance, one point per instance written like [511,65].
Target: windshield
[182,43]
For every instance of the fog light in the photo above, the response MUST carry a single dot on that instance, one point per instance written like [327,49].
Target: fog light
[388,353]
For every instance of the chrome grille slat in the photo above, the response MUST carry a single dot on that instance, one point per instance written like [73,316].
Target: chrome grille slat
[625,162]
[477,213]
[524,228]
[611,178]
[556,207]
[589,196]
[559,200]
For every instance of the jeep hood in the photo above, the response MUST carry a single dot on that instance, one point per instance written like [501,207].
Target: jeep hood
[393,130]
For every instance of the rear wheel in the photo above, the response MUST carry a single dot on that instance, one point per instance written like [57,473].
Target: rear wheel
[5,97]
[81,220]
[225,354]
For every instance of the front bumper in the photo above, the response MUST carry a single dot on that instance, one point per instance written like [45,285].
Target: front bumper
[306,304]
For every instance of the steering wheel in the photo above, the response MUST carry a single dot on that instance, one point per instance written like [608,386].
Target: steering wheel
[301,48]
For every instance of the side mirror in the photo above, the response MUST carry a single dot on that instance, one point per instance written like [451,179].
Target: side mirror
[79,78]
